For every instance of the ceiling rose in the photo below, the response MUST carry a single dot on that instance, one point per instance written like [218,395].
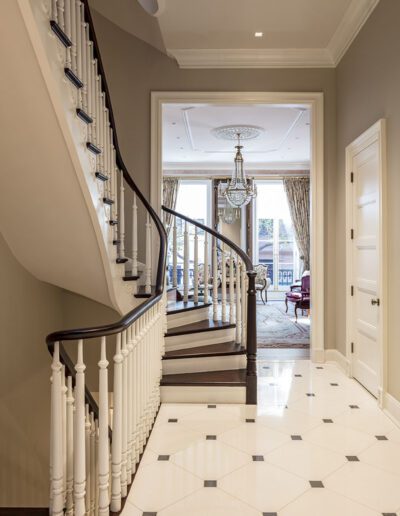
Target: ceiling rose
[230,132]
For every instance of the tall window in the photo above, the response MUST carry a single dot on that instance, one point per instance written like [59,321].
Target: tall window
[274,239]
[194,201]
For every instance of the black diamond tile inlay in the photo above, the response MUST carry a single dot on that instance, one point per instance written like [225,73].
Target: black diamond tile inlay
[250,420]
[269,514]
[210,483]
[381,437]
[173,420]
[211,437]
[316,483]
[352,458]
[298,375]
[354,406]
[163,457]
[310,394]
[266,367]
[335,384]
[149,514]
[211,406]
[258,458]
[296,437]
[389,514]
[272,384]
[319,367]
[327,420]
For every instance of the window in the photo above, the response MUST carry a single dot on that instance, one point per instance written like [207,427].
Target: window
[274,238]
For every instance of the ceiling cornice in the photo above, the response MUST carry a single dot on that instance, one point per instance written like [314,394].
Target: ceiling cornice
[212,166]
[355,16]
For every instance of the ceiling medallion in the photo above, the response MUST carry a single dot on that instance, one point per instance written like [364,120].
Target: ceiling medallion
[230,132]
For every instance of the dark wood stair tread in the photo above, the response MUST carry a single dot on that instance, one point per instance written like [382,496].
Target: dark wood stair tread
[228,378]
[175,307]
[211,350]
[129,277]
[198,327]
[142,294]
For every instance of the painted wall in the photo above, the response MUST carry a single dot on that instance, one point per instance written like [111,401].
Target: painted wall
[30,309]
[368,86]
[134,69]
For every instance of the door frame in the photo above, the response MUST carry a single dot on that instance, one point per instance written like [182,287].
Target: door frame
[315,101]
[376,133]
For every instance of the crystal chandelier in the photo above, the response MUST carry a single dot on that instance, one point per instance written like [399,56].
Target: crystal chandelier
[239,191]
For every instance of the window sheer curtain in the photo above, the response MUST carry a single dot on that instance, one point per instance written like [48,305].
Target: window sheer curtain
[170,195]
[298,194]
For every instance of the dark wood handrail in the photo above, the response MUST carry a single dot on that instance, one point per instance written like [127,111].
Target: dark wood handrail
[232,245]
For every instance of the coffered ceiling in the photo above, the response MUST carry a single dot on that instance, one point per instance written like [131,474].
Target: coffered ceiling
[189,143]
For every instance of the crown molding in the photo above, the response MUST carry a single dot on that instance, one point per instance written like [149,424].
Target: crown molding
[252,58]
[212,166]
[352,22]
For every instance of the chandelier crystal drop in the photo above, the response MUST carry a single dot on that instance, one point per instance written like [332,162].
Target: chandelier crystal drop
[239,190]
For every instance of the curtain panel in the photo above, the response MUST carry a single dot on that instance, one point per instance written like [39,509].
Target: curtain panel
[298,194]
[170,195]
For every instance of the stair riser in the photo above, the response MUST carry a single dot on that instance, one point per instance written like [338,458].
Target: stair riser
[188,317]
[203,394]
[194,340]
[202,364]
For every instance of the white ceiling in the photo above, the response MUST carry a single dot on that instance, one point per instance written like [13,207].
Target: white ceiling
[189,144]
[220,33]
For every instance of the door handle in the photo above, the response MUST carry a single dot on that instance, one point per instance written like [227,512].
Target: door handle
[375,302]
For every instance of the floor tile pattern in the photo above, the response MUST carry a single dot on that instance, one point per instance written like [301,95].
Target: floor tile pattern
[334,453]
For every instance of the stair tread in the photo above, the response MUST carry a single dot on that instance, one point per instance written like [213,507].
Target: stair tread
[230,378]
[211,350]
[175,307]
[198,327]
[141,293]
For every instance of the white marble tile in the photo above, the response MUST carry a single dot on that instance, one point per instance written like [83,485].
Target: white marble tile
[366,485]
[289,421]
[160,484]
[211,420]
[148,457]
[210,459]
[339,438]
[131,510]
[210,502]
[306,460]
[371,421]
[319,407]
[263,486]
[253,438]
[322,502]
[172,437]
[383,454]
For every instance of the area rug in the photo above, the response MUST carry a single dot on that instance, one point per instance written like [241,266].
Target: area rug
[276,329]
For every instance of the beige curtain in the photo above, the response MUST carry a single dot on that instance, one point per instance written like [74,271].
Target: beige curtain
[170,195]
[298,194]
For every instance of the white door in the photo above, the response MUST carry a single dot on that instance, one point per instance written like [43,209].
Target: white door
[364,163]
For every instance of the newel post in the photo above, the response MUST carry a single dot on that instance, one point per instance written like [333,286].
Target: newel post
[251,376]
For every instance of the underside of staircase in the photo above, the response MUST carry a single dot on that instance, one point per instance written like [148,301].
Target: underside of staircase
[202,362]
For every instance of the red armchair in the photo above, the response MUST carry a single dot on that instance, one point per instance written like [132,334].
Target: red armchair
[299,295]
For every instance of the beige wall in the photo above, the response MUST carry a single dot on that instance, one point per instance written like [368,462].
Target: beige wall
[134,69]
[29,311]
[368,88]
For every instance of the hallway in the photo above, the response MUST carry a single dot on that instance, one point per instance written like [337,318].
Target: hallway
[318,446]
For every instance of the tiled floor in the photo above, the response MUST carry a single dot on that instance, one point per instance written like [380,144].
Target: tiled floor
[317,445]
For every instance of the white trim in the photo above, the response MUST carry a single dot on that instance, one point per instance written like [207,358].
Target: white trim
[391,407]
[352,22]
[252,57]
[376,133]
[314,101]
[214,167]
[336,357]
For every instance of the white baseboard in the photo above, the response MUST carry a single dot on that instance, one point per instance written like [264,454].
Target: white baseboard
[391,407]
[335,356]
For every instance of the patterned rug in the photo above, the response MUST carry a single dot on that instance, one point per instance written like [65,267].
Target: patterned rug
[278,329]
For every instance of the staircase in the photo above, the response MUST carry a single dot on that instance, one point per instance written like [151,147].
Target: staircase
[172,344]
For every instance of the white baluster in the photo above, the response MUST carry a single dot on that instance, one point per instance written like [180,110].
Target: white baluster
[174,255]
[57,461]
[79,45]
[67,29]
[196,266]
[238,303]
[136,392]
[121,217]
[244,303]
[231,289]
[128,408]
[131,404]
[83,76]
[124,476]
[134,237]
[92,465]
[94,98]
[206,267]
[103,449]
[147,272]
[70,449]
[54,11]
[87,460]
[88,84]
[186,264]
[223,284]
[73,37]
[64,430]
[79,435]
[215,280]
[116,448]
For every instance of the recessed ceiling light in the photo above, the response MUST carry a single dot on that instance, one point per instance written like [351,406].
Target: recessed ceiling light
[258,34]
